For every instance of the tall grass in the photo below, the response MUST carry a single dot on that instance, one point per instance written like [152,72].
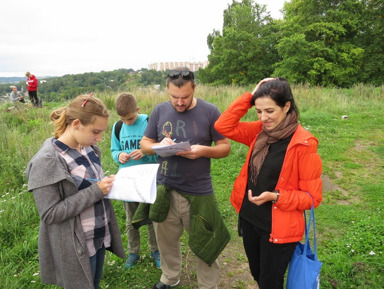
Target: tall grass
[349,221]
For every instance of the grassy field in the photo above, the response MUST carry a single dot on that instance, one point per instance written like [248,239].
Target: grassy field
[350,230]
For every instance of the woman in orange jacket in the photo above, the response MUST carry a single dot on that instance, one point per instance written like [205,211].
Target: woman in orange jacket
[278,181]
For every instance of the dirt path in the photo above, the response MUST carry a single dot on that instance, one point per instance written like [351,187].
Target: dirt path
[234,271]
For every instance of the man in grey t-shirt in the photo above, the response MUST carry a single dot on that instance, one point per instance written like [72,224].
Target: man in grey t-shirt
[183,118]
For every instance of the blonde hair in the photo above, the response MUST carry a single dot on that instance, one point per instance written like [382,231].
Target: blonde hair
[84,107]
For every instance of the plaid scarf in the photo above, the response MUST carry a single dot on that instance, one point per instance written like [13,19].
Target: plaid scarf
[95,219]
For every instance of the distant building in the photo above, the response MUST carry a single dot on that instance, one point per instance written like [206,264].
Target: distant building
[162,66]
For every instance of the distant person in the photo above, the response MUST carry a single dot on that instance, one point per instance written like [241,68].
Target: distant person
[15,96]
[279,179]
[125,148]
[77,224]
[32,85]
[185,194]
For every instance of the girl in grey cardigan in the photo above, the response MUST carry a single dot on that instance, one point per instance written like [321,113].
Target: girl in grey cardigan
[76,223]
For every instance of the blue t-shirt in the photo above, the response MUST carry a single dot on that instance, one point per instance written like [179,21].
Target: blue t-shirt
[130,137]
[196,125]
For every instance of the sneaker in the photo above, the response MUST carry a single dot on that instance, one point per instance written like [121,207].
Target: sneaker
[161,285]
[156,257]
[131,261]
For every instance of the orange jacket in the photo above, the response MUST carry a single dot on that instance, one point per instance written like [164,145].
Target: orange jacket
[299,182]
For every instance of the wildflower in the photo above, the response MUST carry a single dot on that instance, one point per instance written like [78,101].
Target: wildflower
[372,253]
[36,274]
[111,263]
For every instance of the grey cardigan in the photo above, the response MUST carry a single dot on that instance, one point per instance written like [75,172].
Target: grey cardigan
[63,256]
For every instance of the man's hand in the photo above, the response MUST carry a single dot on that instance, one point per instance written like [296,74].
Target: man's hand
[196,152]
[166,141]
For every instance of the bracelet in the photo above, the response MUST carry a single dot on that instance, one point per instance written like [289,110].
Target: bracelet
[277,194]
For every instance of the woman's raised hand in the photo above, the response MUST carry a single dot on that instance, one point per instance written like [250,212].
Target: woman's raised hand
[260,83]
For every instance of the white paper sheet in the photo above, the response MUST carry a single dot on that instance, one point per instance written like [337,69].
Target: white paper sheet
[135,184]
[171,150]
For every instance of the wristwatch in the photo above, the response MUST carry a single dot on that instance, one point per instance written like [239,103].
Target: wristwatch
[277,198]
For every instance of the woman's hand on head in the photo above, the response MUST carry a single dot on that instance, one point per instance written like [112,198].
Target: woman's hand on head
[106,183]
[260,83]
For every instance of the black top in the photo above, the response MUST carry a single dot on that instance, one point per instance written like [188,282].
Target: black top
[261,216]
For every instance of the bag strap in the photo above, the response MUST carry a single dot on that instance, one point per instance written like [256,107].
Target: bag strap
[118,126]
[308,227]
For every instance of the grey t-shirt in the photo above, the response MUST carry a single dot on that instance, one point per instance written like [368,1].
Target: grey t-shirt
[196,126]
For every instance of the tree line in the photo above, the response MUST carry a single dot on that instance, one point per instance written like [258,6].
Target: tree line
[327,43]
[71,85]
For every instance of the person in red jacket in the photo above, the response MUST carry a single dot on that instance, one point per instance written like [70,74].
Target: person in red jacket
[280,178]
[32,89]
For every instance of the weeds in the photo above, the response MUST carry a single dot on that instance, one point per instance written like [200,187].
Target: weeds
[349,220]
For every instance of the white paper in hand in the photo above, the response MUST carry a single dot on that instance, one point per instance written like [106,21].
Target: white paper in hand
[135,184]
[171,150]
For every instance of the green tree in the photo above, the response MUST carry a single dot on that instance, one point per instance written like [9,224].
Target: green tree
[371,39]
[152,77]
[246,50]
[318,44]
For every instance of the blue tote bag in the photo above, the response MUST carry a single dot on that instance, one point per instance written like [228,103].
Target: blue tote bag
[304,267]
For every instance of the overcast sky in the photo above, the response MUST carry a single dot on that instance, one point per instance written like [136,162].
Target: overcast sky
[53,38]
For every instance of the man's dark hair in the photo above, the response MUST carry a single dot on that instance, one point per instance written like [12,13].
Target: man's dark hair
[179,80]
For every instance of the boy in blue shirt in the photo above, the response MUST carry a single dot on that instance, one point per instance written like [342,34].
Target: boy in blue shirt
[125,148]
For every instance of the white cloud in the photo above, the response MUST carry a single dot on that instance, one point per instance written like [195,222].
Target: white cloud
[64,37]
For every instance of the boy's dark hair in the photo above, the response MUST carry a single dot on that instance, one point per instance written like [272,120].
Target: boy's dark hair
[126,103]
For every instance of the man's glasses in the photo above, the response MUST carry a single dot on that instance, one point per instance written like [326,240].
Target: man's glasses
[187,75]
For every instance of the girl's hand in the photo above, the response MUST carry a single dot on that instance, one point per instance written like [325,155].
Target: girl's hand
[106,183]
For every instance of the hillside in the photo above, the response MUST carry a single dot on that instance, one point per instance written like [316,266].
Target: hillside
[11,79]
[71,85]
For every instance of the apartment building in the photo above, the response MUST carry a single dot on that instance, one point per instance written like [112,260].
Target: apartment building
[162,66]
